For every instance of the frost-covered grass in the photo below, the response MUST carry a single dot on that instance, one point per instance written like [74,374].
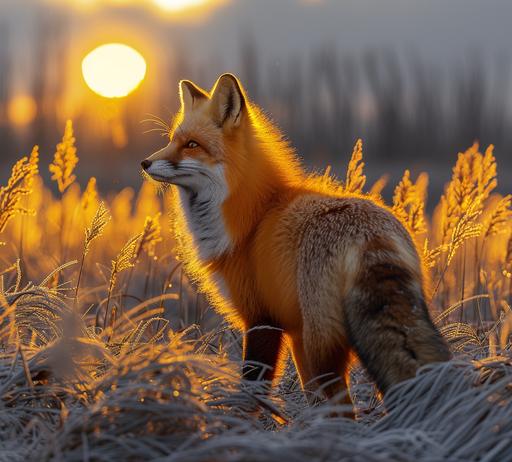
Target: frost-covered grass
[180,399]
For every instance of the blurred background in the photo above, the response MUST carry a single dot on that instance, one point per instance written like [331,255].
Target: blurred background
[419,81]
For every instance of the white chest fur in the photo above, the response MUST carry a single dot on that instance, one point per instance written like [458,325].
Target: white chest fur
[203,211]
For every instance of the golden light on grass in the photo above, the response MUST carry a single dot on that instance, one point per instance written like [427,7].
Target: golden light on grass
[113,70]
[21,110]
[179,5]
[132,338]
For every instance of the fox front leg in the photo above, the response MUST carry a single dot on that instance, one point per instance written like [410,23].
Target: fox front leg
[262,346]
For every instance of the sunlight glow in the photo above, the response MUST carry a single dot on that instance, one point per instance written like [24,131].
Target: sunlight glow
[179,5]
[113,70]
[21,110]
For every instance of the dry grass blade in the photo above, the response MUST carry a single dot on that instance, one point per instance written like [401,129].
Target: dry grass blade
[355,179]
[466,227]
[487,173]
[455,306]
[473,180]
[124,260]
[98,224]
[8,269]
[26,369]
[461,335]
[409,202]
[500,218]
[57,270]
[378,186]
[507,267]
[18,185]
[151,235]
[90,195]
[431,256]
[126,257]
[65,159]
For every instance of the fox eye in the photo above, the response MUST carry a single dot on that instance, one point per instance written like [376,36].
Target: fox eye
[192,144]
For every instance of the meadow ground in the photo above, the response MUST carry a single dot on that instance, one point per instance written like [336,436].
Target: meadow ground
[108,352]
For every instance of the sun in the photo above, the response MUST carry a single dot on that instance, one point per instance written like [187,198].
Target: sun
[113,70]
[179,5]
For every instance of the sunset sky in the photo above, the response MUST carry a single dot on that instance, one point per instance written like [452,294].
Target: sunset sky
[452,41]
[440,31]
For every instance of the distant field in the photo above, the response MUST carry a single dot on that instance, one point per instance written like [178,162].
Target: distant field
[109,353]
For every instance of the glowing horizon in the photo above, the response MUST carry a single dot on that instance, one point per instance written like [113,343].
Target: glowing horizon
[179,5]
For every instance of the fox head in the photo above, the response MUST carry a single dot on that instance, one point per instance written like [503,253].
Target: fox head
[201,141]
[227,160]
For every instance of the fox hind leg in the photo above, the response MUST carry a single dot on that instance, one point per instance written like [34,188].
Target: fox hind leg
[323,371]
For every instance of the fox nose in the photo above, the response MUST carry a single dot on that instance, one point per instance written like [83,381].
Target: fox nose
[146,164]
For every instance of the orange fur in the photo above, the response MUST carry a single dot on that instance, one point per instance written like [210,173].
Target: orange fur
[299,246]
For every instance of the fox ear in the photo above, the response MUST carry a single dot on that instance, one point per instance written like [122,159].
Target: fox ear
[190,93]
[228,101]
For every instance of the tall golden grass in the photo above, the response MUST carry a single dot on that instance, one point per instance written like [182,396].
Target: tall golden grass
[466,243]
[105,329]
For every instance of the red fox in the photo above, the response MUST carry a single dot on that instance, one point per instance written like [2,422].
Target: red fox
[288,260]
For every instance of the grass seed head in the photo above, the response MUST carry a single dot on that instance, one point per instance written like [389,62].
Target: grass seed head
[126,257]
[409,202]
[499,220]
[18,185]
[355,179]
[90,196]
[473,180]
[65,160]
[151,235]
[100,220]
